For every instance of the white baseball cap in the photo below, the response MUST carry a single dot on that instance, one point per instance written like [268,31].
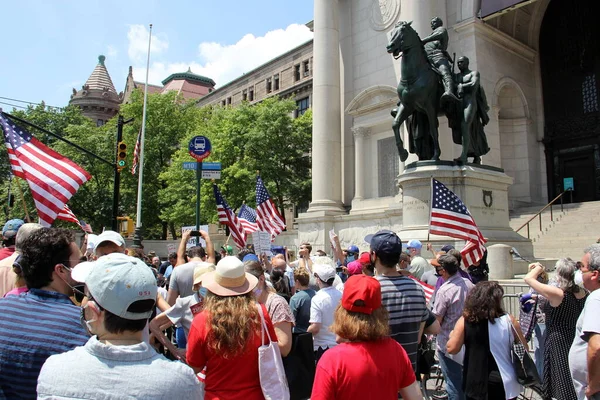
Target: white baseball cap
[116,281]
[110,236]
[325,272]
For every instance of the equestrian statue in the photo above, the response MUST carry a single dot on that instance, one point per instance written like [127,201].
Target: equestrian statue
[428,88]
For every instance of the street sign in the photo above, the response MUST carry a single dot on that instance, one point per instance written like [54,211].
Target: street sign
[211,174]
[199,147]
[568,184]
[206,166]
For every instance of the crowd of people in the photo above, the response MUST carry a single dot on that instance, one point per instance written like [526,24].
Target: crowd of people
[99,320]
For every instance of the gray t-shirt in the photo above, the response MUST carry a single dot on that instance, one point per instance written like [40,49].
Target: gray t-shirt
[181,312]
[99,371]
[430,278]
[182,278]
[418,266]
[587,323]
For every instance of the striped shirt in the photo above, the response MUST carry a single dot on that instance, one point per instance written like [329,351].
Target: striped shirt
[404,300]
[34,326]
[449,305]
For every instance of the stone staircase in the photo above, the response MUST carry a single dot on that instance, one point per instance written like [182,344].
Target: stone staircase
[566,235]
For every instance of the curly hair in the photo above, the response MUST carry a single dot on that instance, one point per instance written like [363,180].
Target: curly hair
[565,275]
[232,322]
[41,251]
[484,303]
[360,327]
[302,276]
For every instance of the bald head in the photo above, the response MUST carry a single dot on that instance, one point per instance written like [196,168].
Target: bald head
[279,263]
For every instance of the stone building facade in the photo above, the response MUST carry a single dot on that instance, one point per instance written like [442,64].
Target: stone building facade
[287,75]
[539,63]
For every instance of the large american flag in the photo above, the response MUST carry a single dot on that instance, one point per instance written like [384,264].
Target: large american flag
[67,215]
[247,216]
[52,178]
[228,217]
[136,153]
[450,217]
[267,215]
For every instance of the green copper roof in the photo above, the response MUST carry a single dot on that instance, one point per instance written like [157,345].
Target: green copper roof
[189,75]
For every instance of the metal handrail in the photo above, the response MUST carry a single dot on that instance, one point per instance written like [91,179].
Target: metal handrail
[539,213]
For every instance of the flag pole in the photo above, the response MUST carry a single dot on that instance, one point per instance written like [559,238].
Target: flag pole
[137,240]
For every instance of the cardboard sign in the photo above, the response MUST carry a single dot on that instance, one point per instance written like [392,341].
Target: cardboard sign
[192,241]
[262,242]
[331,238]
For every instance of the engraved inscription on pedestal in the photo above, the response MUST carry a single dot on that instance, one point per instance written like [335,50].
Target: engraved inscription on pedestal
[384,13]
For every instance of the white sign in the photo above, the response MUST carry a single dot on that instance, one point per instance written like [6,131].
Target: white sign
[211,174]
[262,243]
[332,239]
[171,248]
[192,241]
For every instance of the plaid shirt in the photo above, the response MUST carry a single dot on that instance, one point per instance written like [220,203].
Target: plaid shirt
[449,304]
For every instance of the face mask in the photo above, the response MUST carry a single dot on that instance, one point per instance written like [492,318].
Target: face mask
[202,291]
[578,278]
[351,258]
[257,292]
[85,323]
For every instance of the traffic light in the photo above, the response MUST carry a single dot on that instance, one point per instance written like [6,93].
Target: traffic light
[121,155]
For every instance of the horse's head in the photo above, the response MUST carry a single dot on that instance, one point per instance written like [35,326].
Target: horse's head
[403,37]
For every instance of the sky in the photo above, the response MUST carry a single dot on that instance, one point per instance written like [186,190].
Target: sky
[50,47]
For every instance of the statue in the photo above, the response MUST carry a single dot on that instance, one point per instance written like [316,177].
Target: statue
[436,45]
[473,114]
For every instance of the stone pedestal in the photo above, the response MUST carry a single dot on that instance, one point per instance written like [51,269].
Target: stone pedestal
[500,262]
[483,189]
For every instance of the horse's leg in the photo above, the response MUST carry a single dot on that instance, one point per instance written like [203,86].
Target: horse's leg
[433,130]
[401,116]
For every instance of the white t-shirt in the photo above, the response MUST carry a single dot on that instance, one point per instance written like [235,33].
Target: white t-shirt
[322,308]
[181,312]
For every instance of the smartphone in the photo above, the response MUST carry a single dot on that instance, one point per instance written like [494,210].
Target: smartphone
[195,234]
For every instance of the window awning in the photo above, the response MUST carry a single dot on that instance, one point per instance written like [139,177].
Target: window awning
[493,8]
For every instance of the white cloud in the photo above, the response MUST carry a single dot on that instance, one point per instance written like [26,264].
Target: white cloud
[222,63]
[111,51]
[138,43]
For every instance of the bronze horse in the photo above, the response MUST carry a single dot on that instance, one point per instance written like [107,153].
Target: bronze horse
[419,90]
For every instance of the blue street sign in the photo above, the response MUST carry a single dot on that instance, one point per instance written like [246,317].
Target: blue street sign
[206,166]
[568,184]
[199,147]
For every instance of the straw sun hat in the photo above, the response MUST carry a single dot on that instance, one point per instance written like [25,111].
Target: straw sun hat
[229,278]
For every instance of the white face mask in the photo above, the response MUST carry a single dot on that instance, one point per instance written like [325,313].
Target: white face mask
[87,324]
[578,278]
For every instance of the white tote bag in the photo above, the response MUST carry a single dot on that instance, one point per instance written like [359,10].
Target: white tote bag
[270,367]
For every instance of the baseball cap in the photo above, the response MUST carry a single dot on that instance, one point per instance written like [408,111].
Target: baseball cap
[228,249]
[447,248]
[325,272]
[201,269]
[353,249]
[363,288]
[385,241]
[250,257]
[365,258]
[11,227]
[110,236]
[116,281]
[414,244]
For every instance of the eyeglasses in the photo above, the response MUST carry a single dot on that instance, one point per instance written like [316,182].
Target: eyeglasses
[78,290]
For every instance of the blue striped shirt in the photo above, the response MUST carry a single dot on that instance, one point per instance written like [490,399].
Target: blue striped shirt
[34,326]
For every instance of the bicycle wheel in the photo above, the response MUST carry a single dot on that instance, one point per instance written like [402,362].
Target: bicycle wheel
[432,385]
[531,393]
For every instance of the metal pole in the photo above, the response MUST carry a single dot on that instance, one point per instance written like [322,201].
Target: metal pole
[117,179]
[138,221]
[198,181]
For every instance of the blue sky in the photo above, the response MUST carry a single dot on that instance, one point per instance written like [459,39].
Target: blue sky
[50,47]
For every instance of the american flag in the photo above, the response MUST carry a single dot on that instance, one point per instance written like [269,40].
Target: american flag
[66,214]
[268,218]
[450,217]
[247,216]
[428,289]
[136,153]
[52,178]
[228,217]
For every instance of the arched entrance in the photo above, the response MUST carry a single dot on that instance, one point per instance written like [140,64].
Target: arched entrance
[570,69]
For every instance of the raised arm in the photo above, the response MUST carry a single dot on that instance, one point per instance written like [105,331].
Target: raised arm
[552,293]
[182,247]
[210,249]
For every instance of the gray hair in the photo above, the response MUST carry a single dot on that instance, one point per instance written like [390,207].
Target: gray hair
[23,233]
[565,275]
[594,252]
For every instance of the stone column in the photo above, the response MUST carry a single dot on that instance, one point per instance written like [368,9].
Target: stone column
[360,133]
[327,110]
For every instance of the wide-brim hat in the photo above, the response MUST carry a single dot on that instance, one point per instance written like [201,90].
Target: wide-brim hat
[229,278]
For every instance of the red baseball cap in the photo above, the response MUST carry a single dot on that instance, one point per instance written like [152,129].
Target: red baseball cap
[365,258]
[364,288]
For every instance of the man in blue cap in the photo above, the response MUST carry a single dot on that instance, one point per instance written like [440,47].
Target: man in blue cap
[418,264]
[9,233]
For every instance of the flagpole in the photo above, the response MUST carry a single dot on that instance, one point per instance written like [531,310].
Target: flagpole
[138,221]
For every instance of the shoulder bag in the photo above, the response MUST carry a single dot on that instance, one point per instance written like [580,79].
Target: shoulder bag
[270,367]
[524,366]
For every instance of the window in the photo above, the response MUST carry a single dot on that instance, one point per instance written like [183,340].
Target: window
[99,122]
[388,166]
[269,85]
[244,95]
[589,94]
[251,94]
[229,101]
[302,106]
[305,68]
[296,72]
[223,103]
[276,82]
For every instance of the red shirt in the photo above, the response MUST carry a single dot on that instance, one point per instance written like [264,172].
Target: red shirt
[234,378]
[6,252]
[363,370]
